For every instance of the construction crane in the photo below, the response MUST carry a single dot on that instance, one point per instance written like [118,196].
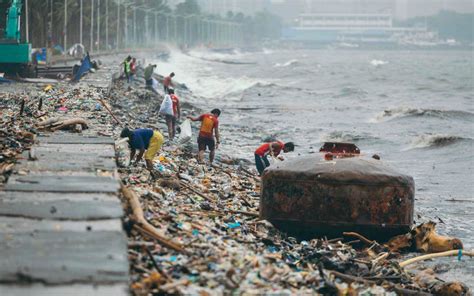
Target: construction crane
[15,56]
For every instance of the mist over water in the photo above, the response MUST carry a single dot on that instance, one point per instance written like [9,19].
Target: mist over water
[413,108]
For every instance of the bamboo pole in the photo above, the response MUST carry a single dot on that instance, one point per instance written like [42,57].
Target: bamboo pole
[143,223]
[436,255]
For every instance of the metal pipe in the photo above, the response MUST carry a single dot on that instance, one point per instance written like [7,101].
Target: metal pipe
[147,33]
[118,24]
[65,26]
[91,47]
[80,22]
[27,35]
[126,25]
[106,24]
[134,26]
[98,25]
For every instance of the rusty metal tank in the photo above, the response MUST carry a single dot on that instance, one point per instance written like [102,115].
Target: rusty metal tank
[311,196]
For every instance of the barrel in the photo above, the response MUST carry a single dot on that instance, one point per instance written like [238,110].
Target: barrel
[311,197]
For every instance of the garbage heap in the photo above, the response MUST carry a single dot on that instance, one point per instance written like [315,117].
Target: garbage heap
[195,229]
[216,244]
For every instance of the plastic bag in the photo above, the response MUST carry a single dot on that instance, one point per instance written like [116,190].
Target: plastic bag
[186,132]
[166,107]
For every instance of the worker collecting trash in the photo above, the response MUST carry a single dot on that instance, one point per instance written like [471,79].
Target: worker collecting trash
[273,149]
[150,82]
[209,123]
[168,83]
[147,141]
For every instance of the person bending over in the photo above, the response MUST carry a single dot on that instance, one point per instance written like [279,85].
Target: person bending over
[147,141]
[209,123]
[273,149]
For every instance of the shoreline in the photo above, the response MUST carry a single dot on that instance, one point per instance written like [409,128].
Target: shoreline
[231,251]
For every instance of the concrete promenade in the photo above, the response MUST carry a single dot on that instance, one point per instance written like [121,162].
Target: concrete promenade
[60,220]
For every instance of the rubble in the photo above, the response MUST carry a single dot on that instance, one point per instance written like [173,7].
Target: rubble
[195,229]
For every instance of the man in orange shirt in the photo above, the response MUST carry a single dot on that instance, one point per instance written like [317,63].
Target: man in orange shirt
[209,123]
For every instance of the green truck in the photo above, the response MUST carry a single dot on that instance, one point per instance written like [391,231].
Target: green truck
[15,56]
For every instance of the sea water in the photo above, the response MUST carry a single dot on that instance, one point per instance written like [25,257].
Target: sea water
[413,108]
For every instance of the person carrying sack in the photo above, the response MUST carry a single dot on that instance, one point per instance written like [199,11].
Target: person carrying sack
[166,109]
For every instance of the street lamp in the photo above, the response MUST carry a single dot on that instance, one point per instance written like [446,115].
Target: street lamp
[106,24]
[117,46]
[98,25]
[91,47]
[65,26]
[80,22]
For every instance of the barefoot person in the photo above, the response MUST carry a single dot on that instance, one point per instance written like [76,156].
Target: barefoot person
[209,123]
[273,149]
[147,141]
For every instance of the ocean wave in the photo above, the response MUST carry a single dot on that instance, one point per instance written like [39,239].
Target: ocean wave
[390,114]
[340,136]
[287,64]
[351,91]
[434,141]
[267,51]
[378,63]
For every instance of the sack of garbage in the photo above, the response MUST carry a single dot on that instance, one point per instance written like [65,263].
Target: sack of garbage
[154,83]
[186,132]
[166,107]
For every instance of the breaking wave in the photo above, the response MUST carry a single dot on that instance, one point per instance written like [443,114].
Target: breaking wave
[287,64]
[339,136]
[377,63]
[414,112]
[267,51]
[433,141]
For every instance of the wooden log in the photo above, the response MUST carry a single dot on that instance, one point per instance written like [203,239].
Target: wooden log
[150,230]
[70,123]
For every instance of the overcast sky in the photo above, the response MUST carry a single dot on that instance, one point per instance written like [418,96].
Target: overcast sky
[290,8]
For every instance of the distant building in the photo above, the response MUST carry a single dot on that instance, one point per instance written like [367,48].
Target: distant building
[400,9]
[351,29]
[221,7]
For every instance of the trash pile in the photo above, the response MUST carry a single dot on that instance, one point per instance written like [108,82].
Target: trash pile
[32,109]
[17,130]
[210,215]
[195,229]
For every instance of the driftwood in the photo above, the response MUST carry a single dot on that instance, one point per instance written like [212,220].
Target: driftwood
[70,123]
[143,225]
[360,237]
[436,255]
[106,106]
[196,192]
[351,278]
